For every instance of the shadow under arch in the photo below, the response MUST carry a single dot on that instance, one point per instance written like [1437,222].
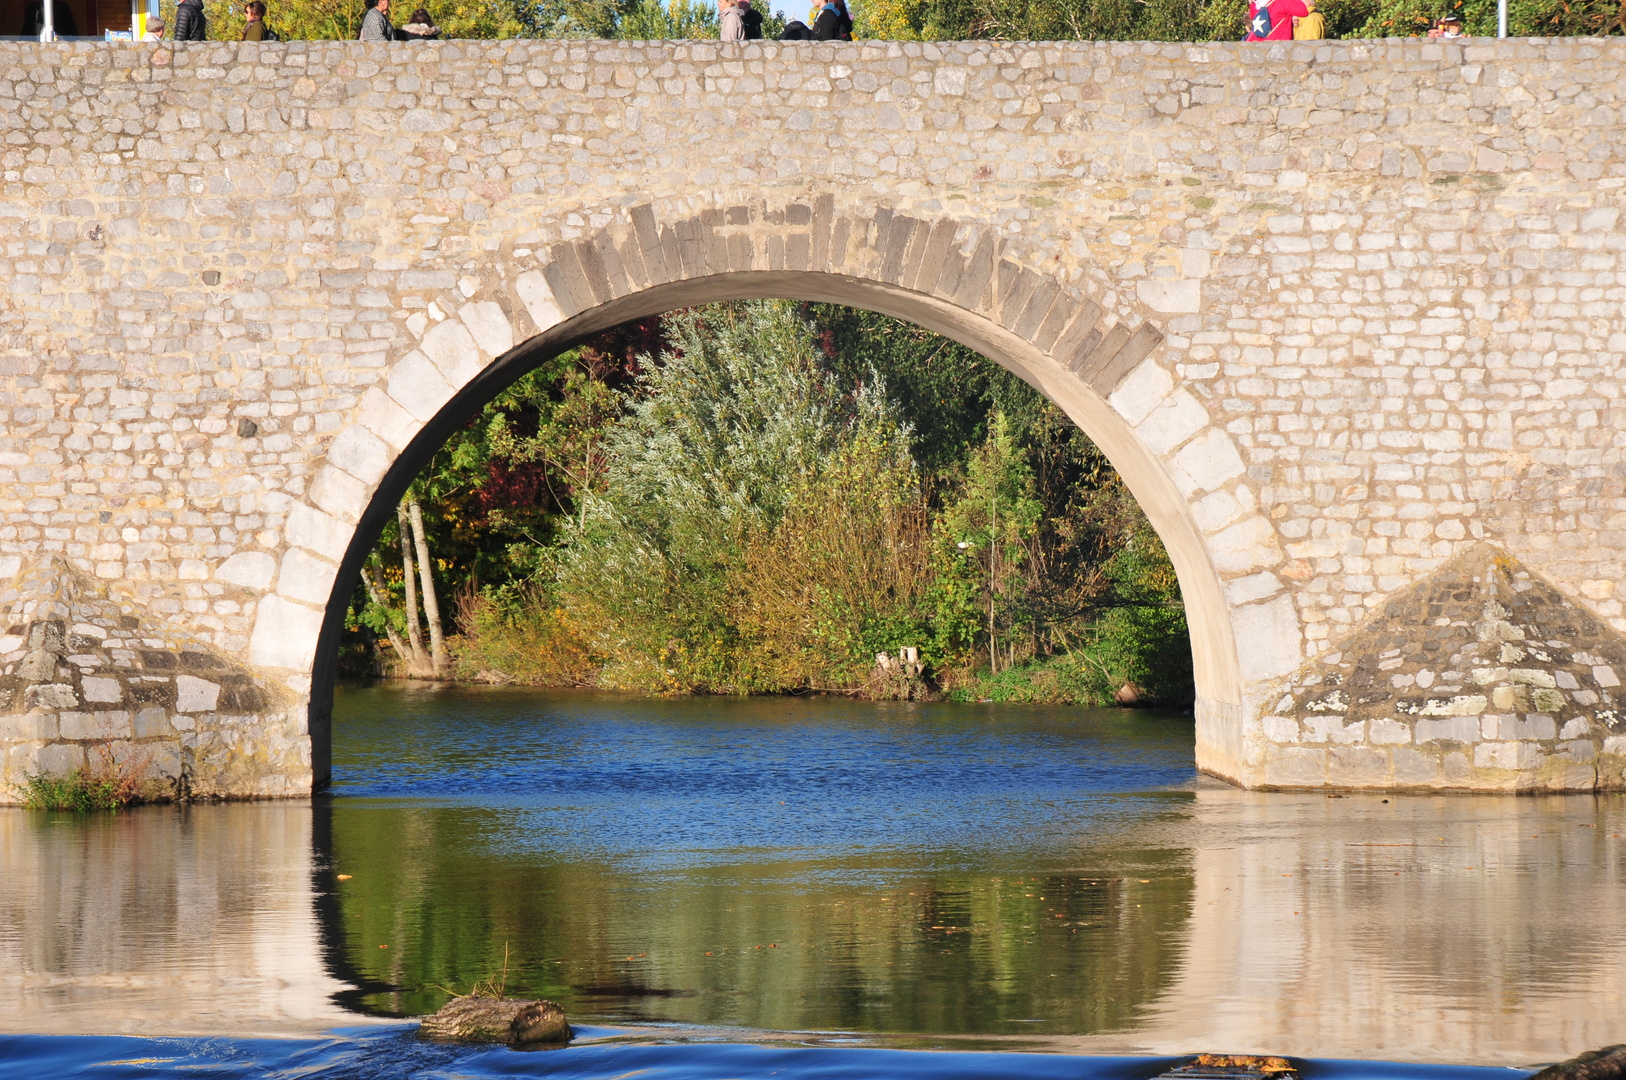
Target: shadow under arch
[1215,668]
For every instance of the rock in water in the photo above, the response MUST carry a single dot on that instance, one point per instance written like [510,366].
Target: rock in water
[498,1020]
[539,1022]
[1606,1064]
[1128,694]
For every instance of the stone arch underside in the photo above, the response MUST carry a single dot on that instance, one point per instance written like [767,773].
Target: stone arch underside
[951,277]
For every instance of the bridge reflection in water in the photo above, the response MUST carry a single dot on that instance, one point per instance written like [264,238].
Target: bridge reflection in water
[1452,929]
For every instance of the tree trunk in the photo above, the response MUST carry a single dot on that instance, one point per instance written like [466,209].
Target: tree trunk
[420,663]
[431,605]
[395,639]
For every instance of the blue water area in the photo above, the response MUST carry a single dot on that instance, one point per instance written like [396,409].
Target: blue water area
[690,781]
[397,1054]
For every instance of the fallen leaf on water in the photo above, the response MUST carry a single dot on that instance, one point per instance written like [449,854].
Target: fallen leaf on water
[344,877]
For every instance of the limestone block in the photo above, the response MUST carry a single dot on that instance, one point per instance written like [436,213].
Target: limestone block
[1245,590]
[10,566]
[1413,767]
[1357,766]
[1210,460]
[489,326]
[340,494]
[50,696]
[1578,750]
[1577,728]
[1295,766]
[1272,643]
[306,577]
[285,635]
[1247,546]
[418,387]
[1177,418]
[533,291]
[450,347]
[101,690]
[1385,732]
[1216,510]
[1533,726]
[950,81]
[1511,756]
[250,569]
[1141,392]
[1177,296]
[152,724]
[1605,676]
[164,760]
[1281,729]
[97,726]
[322,533]
[60,759]
[384,417]
[361,454]
[21,727]
[194,695]
[1463,729]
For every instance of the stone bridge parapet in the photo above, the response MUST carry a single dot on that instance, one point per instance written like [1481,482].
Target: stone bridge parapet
[1347,316]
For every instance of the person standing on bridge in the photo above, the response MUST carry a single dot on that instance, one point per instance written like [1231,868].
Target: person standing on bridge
[190,23]
[1272,20]
[731,27]
[418,28]
[832,22]
[375,25]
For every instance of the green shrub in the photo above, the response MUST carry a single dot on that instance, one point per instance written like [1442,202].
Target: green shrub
[79,791]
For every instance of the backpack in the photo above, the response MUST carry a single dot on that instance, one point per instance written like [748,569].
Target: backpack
[1260,26]
[270,34]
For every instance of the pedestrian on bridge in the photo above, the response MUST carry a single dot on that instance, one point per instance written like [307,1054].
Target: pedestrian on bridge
[375,25]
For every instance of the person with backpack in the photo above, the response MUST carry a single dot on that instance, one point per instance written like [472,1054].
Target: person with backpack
[750,20]
[190,24]
[256,28]
[832,23]
[1272,20]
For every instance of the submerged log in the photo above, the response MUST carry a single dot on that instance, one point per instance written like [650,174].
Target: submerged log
[1606,1064]
[497,1020]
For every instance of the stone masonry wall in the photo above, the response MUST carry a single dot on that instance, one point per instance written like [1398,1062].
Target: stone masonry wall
[1341,312]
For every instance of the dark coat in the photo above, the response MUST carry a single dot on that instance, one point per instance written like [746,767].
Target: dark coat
[752,18]
[190,25]
[832,25]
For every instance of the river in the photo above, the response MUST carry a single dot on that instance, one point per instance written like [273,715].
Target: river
[804,887]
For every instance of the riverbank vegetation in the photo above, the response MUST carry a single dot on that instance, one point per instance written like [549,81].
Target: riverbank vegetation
[111,785]
[774,497]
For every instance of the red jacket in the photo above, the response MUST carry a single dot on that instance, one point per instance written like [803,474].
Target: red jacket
[1281,19]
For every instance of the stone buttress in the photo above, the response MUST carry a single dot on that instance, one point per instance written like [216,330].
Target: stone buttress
[88,684]
[1481,676]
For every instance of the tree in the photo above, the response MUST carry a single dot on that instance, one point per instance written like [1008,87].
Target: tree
[738,415]
[984,535]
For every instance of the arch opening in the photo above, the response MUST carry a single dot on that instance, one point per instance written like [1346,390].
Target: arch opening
[1216,674]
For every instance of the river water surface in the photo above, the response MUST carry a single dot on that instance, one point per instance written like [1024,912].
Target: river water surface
[804,888]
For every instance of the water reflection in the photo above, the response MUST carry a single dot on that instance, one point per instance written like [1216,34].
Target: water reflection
[1028,877]
[162,921]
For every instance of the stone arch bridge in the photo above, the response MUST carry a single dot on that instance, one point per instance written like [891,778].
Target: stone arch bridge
[1347,316]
